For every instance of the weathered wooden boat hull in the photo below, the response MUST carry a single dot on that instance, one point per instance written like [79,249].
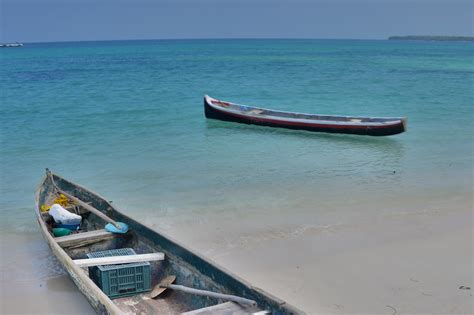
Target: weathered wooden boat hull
[190,268]
[214,112]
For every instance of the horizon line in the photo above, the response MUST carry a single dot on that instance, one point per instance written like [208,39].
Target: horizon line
[197,38]
[220,38]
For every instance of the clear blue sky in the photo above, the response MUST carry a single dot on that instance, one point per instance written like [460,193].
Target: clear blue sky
[71,20]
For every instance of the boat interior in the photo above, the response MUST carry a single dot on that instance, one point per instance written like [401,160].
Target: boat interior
[256,111]
[91,237]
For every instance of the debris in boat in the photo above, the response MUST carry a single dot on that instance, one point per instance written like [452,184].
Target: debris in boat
[57,232]
[62,216]
[120,227]
[464,288]
[72,227]
[61,200]
[131,302]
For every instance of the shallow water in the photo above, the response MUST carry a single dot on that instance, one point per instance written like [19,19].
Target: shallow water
[126,120]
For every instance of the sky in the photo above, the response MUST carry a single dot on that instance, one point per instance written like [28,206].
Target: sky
[78,20]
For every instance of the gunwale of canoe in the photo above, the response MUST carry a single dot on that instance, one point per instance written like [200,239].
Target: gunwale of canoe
[372,126]
[180,260]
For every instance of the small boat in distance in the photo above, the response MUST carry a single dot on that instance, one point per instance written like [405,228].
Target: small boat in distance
[204,287]
[371,126]
[11,45]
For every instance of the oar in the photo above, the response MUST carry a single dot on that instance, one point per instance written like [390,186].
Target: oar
[166,283]
[113,226]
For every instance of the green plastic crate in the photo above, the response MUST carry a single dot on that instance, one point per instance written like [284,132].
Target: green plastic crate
[120,280]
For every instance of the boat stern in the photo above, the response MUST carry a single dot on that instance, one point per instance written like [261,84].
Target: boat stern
[405,123]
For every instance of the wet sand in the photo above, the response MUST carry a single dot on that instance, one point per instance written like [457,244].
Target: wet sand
[32,280]
[392,263]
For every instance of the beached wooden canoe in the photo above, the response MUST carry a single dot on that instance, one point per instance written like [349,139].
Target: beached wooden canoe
[371,126]
[166,257]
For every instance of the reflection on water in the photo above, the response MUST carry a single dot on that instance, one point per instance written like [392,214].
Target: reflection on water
[310,155]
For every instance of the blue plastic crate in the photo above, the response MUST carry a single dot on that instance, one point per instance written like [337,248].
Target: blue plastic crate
[120,280]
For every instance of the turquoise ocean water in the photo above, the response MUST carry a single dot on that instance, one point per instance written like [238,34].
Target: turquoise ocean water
[125,118]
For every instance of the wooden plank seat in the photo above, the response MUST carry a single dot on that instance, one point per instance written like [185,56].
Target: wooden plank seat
[84,238]
[227,308]
[115,260]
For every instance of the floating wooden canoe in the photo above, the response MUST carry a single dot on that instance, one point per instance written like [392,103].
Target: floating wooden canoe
[191,269]
[371,126]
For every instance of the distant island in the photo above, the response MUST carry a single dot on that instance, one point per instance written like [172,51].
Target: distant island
[434,38]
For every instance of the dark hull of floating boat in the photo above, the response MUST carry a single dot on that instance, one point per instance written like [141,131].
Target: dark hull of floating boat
[190,268]
[370,126]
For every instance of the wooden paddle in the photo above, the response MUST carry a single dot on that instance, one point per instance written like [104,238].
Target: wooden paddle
[162,286]
[166,283]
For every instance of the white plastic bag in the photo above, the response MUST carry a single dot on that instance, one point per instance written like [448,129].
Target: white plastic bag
[62,216]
